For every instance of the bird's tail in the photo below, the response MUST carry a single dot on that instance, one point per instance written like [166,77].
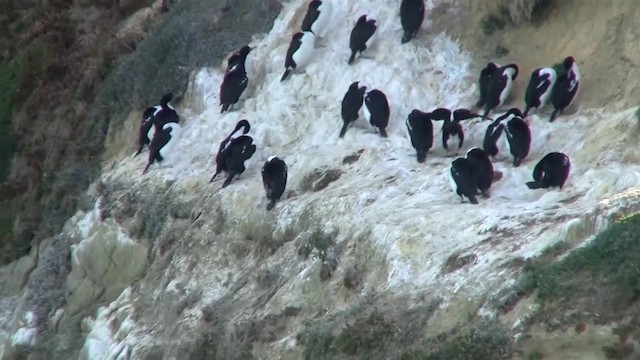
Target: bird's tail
[406,37]
[554,114]
[138,152]
[344,129]
[526,111]
[227,181]
[271,204]
[352,58]
[422,156]
[146,168]
[214,176]
[534,185]
[480,104]
[286,74]
[225,107]
[383,132]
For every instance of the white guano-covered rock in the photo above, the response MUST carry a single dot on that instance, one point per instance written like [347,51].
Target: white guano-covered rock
[107,332]
[103,263]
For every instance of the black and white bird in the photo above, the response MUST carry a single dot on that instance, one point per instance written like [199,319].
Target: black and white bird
[242,128]
[166,113]
[377,111]
[362,35]
[160,114]
[274,179]
[351,105]
[411,18]
[238,57]
[420,128]
[491,137]
[235,81]
[165,99]
[451,127]
[317,17]
[499,87]
[485,80]
[518,135]
[163,142]
[145,129]
[566,88]
[463,180]
[483,169]
[552,170]
[233,152]
[300,52]
[539,89]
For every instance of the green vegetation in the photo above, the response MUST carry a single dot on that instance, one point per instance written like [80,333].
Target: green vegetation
[485,341]
[609,265]
[64,79]
[6,226]
[531,10]
[515,12]
[364,336]
[598,283]
[323,247]
[188,39]
[399,333]
[492,23]
[68,84]
[541,10]
[18,77]
[535,355]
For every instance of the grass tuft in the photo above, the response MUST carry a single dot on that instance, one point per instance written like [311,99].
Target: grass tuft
[514,12]
[399,333]
[484,341]
[492,23]
[364,335]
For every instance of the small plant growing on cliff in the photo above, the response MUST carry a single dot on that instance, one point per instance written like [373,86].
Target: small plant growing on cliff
[492,23]
[604,271]
[514,12]
[612,256]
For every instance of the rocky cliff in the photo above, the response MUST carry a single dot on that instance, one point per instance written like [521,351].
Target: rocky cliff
[368,255]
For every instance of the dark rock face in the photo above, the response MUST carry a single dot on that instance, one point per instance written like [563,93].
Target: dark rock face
[193,34]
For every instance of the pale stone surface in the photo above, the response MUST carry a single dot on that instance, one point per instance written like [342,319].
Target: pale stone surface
[222,262]
[103,265]
[105,333]
[104,261]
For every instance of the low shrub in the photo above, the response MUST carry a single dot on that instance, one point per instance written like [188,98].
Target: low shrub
[18,77]
[609,263]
